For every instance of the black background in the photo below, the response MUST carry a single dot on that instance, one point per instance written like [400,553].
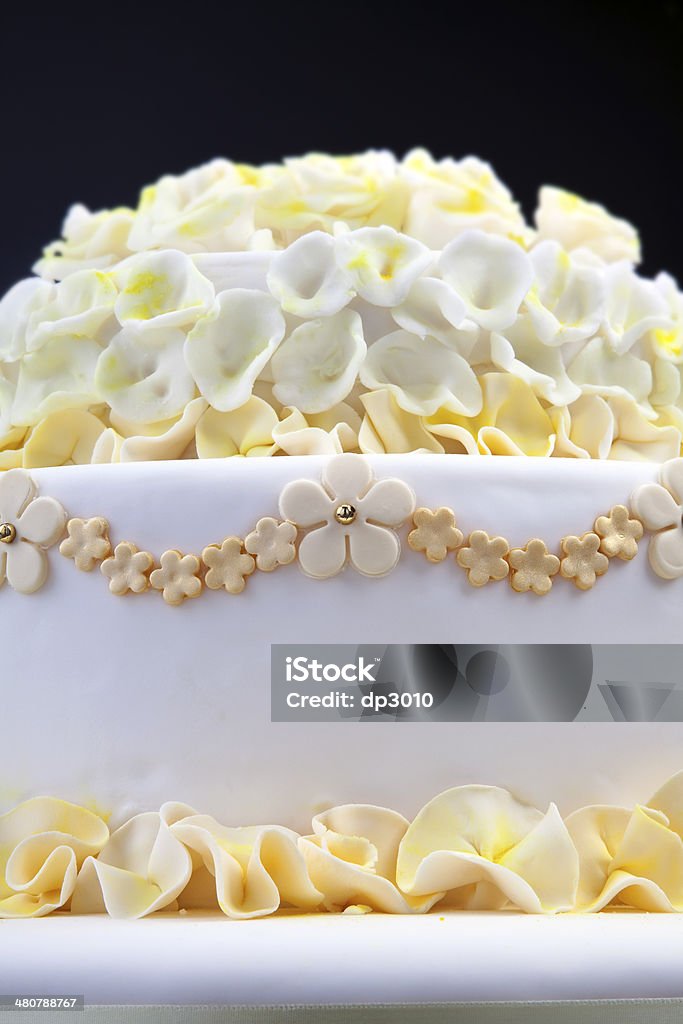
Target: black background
[588,96]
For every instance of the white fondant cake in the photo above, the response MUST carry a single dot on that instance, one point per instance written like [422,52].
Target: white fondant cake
[391,322]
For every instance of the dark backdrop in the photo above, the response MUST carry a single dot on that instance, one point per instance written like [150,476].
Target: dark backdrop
[588,96]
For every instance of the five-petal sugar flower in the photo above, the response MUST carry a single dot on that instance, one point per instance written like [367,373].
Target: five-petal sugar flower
[28,525]
[660,509]
[382,305]
[349,517]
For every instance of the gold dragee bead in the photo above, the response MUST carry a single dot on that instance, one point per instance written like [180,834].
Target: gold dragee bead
[345,514]
[7,533]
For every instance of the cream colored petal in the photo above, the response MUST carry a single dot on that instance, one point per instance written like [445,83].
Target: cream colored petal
[142,374]
[381,263]
[512,420]
[62,439]
[17,489]
[322,552]
[380,826]
[637,437]
[142,869]
[490,274]
[42,523]
[306,278]
[665,552]
[347,477]
[373,550]
[248,430]
[547,860]
[316,367]
[344,884]
[481,821]
[230,346]
[297,434]
[669,801]
[672,478]
[389,502]
[26,567]
[655,507]
[389,428]
[305,503]
[171,444]
[422,374]
[651,850]
[256,870]
[42,844]
[596,832]
[576,222]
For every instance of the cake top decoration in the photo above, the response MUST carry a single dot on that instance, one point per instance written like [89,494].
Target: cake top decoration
[330,304]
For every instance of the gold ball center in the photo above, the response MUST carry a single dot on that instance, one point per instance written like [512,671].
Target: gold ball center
[7,533]
[345,514]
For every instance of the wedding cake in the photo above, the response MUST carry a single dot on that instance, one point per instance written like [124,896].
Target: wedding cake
[281,628]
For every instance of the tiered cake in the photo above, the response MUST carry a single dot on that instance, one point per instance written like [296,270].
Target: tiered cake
[389,327]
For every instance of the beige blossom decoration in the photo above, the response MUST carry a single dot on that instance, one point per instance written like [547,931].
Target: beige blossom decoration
[532,567]
[583,561]
[177,578]
[435,533]
[127,569]
[88,542]
[272,542]
[484,558]
[619,534]
[228,566]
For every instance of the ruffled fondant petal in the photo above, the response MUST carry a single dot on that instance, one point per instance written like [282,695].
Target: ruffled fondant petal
[256,870]
[547,860]
[142,869]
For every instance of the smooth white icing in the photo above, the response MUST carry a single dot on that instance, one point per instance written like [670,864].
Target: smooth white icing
[112,700]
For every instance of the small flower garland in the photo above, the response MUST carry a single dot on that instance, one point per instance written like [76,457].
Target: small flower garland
[349,518]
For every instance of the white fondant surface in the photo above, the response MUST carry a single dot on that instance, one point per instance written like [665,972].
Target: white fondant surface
[328,959]
[126,702]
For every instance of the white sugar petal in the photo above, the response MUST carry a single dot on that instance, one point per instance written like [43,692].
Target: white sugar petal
[422,374]
[491,275]
[60,375]
[161,289]
[316,367]
[230,346]
[142,374]
[306,280]
[382,264]
[16,308]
